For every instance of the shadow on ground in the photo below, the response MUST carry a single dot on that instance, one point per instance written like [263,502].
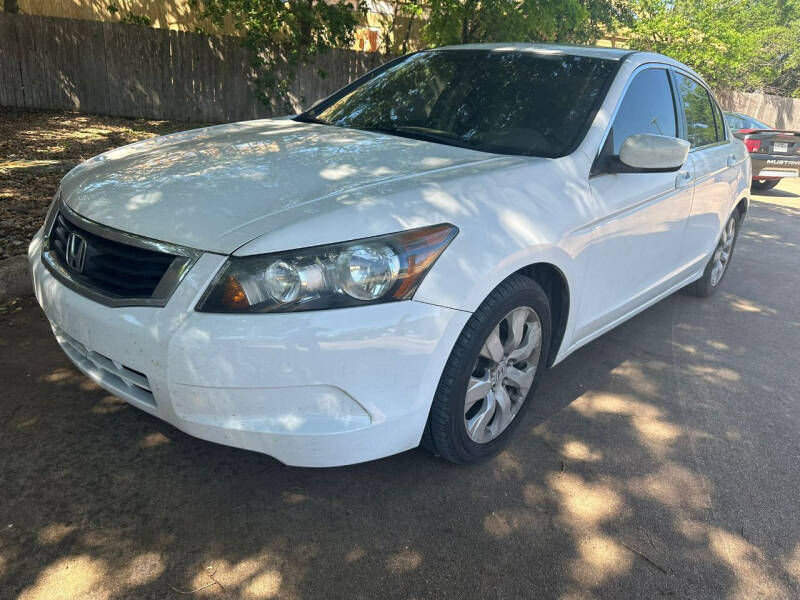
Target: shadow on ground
[660,460]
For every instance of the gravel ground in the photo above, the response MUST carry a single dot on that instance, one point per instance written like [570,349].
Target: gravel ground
[37,148]
[660,461]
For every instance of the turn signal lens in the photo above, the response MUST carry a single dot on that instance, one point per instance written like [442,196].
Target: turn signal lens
[233,295]
[379,269]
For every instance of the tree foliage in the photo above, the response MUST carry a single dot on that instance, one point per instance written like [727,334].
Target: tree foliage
[468,21]
[283,34]
[129,17]
[735,44]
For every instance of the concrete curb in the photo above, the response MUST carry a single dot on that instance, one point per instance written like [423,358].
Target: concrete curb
[15,280]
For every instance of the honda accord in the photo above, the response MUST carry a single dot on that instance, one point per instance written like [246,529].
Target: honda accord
[397,265]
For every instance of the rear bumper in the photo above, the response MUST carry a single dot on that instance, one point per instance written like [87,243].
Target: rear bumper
[320,388]
[775,167]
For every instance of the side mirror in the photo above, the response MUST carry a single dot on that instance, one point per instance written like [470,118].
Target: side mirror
[647,152]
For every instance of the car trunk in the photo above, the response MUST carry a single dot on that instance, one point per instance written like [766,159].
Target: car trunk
[773,142]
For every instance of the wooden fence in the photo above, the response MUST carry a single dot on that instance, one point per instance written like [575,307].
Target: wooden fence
[777,111]
[135,71]
[166,14]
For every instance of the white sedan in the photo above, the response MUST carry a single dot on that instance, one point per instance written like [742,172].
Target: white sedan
[398,264]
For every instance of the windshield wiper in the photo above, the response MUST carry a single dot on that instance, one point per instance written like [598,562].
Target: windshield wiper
[311,119]
[419,133]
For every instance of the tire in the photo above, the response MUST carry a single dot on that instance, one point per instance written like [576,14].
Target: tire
[710,282]
[762,185]
[463,435]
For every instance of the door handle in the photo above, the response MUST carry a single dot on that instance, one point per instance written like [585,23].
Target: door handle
[731,160]
[683,179]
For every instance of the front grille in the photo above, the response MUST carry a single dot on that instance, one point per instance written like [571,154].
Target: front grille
[111,267]
[111,375]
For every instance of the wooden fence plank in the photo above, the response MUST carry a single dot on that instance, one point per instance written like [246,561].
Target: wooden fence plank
[11,91]
[32,77]
[162,60]
[114,89]
[178,109]
[91,57]
[64,94]
[187,82]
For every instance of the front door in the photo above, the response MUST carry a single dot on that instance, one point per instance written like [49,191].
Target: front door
[636,247]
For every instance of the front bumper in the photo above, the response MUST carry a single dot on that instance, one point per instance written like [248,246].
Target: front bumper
[775,166]
[319,388]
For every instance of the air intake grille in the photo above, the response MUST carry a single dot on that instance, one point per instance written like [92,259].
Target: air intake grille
[113,376]
[111,267]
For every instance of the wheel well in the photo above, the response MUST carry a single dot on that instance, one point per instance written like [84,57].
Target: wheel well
[555,286]
[741,208]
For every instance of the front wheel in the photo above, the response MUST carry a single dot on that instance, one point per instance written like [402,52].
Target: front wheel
[491,373]
[717,266]
[762,185]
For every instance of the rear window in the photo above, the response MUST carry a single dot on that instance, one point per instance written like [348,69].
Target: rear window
[752,123]
[502,102]
[745,122]
[735,122]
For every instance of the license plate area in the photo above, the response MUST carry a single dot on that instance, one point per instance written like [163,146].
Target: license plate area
[782,147]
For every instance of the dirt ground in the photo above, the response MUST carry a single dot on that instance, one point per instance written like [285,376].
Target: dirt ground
[659,461]
[38,147]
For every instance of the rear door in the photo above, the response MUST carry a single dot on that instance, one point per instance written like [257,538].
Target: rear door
[714,160]
[636,246]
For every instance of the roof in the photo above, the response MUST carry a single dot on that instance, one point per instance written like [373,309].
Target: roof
[637,57]
[593,51]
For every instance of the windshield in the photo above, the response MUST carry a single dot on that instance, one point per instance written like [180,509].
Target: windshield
[502,102]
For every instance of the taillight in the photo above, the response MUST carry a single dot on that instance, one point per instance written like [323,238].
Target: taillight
[752,145]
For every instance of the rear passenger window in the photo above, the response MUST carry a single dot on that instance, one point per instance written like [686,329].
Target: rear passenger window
[701,128]
[719,121]
[646,108]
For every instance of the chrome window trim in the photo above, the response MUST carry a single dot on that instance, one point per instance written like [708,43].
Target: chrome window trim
[707,146]
[184,260]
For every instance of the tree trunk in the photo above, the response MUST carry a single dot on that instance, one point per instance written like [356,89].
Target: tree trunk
[404,47]
[469,20]
[10,6]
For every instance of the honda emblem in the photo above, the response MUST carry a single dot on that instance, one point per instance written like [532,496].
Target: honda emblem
[76,252]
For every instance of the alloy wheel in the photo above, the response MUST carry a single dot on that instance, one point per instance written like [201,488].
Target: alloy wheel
[503,374]
[722,254]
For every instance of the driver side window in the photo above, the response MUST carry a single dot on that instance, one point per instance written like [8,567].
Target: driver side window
[647,107]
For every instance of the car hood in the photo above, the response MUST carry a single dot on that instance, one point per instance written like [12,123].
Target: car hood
[217,188]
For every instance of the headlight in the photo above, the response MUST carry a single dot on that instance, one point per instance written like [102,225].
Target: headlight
[371,270]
